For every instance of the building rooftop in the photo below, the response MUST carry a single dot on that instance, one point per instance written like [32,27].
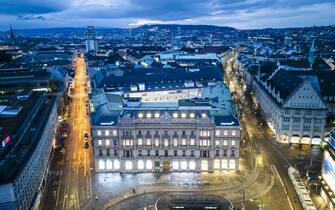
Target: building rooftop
[21,134]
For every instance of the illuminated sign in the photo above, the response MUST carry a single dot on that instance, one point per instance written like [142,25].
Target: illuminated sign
[5,141]
[328,170]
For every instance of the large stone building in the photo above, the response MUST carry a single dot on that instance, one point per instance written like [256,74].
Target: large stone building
[27,129]
[292,106]
[164,120]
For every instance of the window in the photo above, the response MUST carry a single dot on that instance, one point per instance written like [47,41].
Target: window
[156,115]
[101,164]
[106,132]
[308,112]
[108,152]
[184,133]
[157,152]
[296,119]
[217,133]
[183,165]
[99,142]
[233,133]
[184,153]
[114,143]
[166,142]
[192,165]
[233,142]
[114,132]
[175,115]
[217,152]
[109,164]
[286,127]
[139,152]
[232,152]
[183,115]
[99,132]
[139,142]
[129,165]
[307,120]
[286,119]
[192,153]
[306,128]
[175,152]
[225,133]
[116,164]
[115,152]
[166,153]
[287,111]
[175,165]
[149,115]
[175,142]
[192,142]
[205,143]
[183,142]
[224,152]
[217,142]
[140,115]
[192,115]
[140,164]
[107,142]
[203,115]
[204,133]
[148,142]
[148,164]
[225,142]
[100,152]
[297,112]
[148,152]
[317,129]
[192,133]
[156,142]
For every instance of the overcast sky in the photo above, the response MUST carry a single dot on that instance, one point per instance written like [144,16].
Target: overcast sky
[129,13]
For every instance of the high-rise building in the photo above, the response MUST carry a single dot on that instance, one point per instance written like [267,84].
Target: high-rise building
[90,40]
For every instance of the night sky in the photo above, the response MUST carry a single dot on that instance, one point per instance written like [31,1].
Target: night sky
[129,13]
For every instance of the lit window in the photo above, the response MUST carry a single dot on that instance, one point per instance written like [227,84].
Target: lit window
[225,132]
[203,115]
[217,143]
[109,164]
[224,164]
[183,142]
[101,164]
[156,115]
[139,142]
[140,115]
[204,165]
[157,142]
[175,115]
[233,132]
[233,142]
[127,142]
[116,164]
[232,164]
[140,164]
[114,132]
[149,115]
[204,143]
[183,115]
[107,142]
[175,142]
[166,143]
[99,142]
[192,115]
[148,142]
[106,132]
[217,133]
[216,164]
[183,165]
[225,142]
[129,165]
[192,142]
[192,165]
[148,164]
[175,165]
[99,132]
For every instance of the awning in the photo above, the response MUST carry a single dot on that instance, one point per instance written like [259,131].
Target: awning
[295,139]
[316,141]
[305,140]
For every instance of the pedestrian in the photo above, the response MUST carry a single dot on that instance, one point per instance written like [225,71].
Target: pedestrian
[134,190]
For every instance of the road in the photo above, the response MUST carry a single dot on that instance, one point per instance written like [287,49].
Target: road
[72,186]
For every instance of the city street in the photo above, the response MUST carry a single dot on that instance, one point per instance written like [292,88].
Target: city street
[71,188]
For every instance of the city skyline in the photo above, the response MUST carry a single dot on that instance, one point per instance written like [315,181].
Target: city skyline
[243,14]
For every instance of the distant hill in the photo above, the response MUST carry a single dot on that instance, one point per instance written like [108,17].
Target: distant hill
[190,27]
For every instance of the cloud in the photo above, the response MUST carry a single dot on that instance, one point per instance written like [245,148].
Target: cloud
[124,13]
